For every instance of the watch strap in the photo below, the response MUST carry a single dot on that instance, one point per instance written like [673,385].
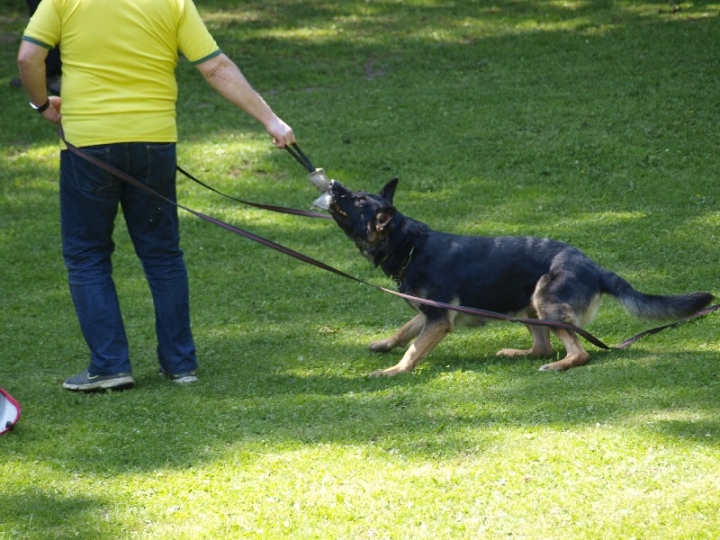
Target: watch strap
[42,108]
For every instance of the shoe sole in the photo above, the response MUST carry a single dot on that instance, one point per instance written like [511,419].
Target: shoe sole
[121,383]
[185,380]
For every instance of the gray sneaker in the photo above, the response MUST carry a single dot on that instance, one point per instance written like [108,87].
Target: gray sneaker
[88,383]
[180,378]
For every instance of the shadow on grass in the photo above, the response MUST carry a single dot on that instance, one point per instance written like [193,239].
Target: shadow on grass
[58,516]
[250,397]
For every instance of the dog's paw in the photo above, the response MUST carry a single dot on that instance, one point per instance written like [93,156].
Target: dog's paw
[552,367]
[382,345]
[512,353]
[389,372]
[562,365]
[570,361]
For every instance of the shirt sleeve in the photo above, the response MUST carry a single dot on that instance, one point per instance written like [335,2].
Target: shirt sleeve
[44,26]
[194,39]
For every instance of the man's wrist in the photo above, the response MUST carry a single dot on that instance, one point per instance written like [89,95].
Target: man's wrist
[42,108]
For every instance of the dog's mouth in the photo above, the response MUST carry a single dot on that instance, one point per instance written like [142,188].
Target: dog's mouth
[329,201]
[335,208]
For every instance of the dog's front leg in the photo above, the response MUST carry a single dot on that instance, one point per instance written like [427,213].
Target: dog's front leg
[402,337]
[432,334]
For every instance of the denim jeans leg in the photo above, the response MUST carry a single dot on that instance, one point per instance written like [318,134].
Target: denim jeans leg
[154,228]
[88,205]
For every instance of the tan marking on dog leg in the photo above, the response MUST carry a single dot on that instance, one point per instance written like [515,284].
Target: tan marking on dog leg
[576,355]
[410,330]
[541,344]
[429,337]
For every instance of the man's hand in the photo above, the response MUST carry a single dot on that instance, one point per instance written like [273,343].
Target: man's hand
[281,133]
[52,113]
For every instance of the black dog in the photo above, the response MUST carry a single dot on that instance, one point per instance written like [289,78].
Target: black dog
[522,276]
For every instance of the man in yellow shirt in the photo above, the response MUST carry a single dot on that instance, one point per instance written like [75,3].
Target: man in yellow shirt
[118,105]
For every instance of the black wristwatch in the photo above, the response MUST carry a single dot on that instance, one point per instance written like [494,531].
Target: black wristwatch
[42,108]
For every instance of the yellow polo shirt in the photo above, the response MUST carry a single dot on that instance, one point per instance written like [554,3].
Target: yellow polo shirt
[119,58]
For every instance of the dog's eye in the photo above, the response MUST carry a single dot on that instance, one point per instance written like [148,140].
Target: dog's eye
[359,201]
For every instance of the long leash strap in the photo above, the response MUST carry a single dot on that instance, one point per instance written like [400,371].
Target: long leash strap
[706,311]
[280,209]
[287,251]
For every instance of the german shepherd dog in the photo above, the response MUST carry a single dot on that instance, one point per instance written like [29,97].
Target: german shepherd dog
[521,276]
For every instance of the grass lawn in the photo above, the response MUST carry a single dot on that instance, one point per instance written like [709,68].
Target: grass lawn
[594,123]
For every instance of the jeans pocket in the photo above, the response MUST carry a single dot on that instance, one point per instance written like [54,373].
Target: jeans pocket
[89,177]
[161,159]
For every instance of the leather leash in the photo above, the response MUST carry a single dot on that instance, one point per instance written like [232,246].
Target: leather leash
[280,209]
[302,159]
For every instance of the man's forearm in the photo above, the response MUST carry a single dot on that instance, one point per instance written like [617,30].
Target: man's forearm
[228,80]
[31,64]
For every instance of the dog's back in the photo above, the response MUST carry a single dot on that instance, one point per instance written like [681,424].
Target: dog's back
[502,274]
[492,273]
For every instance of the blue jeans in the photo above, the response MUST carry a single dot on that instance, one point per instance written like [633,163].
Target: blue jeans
[89,201]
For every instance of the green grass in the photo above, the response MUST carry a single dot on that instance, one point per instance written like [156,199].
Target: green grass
[590,122]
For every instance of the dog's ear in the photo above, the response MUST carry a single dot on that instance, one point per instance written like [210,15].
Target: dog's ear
[383,217]
[388,192]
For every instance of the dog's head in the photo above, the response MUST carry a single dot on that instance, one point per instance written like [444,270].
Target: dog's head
[367,219]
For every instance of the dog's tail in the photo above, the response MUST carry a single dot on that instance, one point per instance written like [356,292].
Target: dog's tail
[650,306]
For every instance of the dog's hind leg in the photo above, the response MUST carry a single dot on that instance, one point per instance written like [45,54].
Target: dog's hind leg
[576,355]
[541,344]
[571,297]
[409,331]
[432,334]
